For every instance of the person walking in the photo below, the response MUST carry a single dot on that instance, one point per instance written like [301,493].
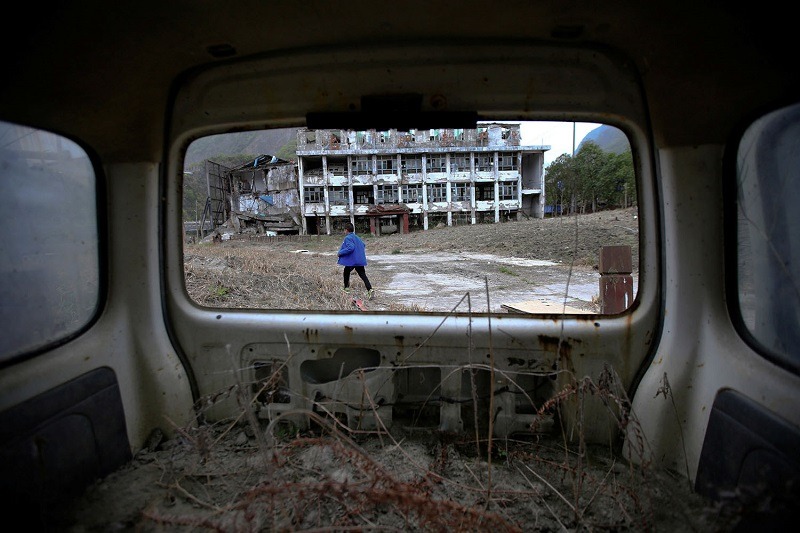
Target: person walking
[352,255]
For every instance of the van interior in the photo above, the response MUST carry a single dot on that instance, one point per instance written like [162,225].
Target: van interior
[175,183]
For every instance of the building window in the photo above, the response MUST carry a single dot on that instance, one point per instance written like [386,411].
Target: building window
[507,191]
[337,167]
[386,164]
[507,161]
[362,165]
[437,192]
[313,195]
[484,192]
[412,164]
[387,194]
[459,163]
[484,162]
[412,193]
[437,163]
[338,196]
[362,195]
[459,192]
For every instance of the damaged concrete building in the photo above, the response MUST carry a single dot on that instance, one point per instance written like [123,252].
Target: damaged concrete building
[398,181]
[260,197]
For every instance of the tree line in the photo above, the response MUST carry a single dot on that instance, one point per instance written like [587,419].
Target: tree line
[591,180]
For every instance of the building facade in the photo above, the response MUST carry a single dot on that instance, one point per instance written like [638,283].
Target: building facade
[388,181]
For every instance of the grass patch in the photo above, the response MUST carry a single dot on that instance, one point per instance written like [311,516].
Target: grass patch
[506,270]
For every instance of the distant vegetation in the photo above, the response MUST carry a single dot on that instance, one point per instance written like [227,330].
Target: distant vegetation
[592,180]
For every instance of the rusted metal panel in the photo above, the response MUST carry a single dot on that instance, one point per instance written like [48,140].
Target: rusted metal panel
[616,293]
[615,260]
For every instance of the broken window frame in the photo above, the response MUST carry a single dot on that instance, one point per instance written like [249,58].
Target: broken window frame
[314,195]
[437,192]
[484,162]
[411,164]
[387,194]
[412,193]
[362,195]
[484,193]
[507,190]
[362,164]
[460,163]
[338,195]
[436,163]
[460,192]
[386,164]
[507,161]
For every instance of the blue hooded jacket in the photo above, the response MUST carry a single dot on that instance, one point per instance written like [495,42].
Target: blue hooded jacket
[352,251]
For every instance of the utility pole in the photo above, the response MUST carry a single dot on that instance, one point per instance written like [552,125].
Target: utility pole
[573,139]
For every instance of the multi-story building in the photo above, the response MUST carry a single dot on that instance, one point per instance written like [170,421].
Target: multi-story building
[396,180]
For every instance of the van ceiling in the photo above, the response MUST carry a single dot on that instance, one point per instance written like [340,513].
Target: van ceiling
[71,62]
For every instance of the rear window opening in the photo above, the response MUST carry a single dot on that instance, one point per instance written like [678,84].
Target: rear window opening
[508,217]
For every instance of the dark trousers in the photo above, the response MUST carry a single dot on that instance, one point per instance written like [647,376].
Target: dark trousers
[361,274]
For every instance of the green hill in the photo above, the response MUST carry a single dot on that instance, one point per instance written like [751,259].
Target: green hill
[608,138]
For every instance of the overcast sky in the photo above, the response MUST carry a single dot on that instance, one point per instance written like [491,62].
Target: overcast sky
[557,134]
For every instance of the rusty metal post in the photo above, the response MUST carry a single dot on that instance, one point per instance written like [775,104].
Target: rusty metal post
[616,282]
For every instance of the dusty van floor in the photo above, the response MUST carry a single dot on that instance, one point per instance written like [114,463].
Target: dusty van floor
[228,479]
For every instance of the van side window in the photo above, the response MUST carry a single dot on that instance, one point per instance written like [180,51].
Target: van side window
[49,259]
[768,247]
